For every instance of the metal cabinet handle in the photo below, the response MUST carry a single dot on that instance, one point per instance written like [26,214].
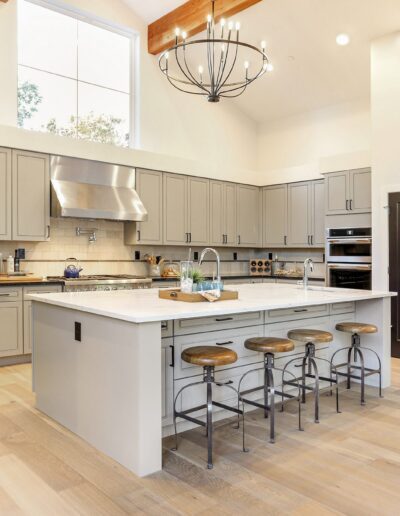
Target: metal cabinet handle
[347,204]
[312,239]
[164,325]
[221,319]
[48,231]
[5,295]
[220,384]
[138,235]
[300,310]
[238,239]
[172,364]
[285,240]
[351,204]
[224,343]
[308,239]
[187,237]
[190,237]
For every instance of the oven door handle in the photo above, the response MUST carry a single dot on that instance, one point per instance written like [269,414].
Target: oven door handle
[351,267]
[351,241]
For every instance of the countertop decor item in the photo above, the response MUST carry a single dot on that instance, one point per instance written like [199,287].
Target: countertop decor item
[170,270]
[225,65]
[72,268]
[195,297]
[154,264]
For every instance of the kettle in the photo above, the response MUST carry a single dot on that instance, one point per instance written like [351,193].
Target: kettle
[72,270]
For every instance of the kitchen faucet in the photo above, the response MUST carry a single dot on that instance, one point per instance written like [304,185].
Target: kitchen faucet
[211,250]
[308,264]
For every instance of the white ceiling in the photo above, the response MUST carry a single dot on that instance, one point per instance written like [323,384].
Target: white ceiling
[311,70]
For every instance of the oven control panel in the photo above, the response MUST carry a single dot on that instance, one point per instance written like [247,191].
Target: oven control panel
[260,267]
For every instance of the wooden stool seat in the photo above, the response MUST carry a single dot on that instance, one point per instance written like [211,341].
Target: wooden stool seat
[356,327]
[209,356]
[269,344]
[310,336]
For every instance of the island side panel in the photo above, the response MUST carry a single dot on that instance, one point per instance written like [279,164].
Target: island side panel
[377,311]
[105,388]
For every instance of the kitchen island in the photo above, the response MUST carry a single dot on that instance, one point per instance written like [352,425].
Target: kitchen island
[106,364]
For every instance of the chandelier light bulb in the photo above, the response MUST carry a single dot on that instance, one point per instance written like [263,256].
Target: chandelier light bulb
[177,32]
[263,45]
[184,35]
[209,18]
[201,70]
[246,65]
[166,55]
[223,22]
[269,67]
[237,26]
[223,48]
[230,25]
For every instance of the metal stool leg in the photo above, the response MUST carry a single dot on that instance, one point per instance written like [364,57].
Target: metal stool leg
[266,387]
[269,376]
[303,379]
[349,367]
[316,388]
[209,423]
[362,370]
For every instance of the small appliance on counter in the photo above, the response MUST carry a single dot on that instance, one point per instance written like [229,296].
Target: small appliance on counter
[260,267]
[72,268]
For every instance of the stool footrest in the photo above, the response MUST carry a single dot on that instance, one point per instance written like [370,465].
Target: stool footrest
[191,419]
[256,404]
[227,407]
[294,384]
[277,393]
[356,377]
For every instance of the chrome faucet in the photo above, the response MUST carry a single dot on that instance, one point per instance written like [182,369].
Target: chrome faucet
[211,250]
[308,264]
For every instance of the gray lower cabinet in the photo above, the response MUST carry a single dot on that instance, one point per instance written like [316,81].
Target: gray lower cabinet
[348,191]
[11,322]
[167,361]
[275,216]
[30,196]
[149,185]
[248,216]
[222,213]
[5,194]
[186,210]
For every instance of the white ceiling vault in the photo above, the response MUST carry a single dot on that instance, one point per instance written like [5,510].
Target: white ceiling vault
[310,70]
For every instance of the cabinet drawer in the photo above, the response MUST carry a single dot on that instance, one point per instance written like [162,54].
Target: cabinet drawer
[300,312]
[10,294]
[219,322]
[232,339]
[41,289]
[343,308]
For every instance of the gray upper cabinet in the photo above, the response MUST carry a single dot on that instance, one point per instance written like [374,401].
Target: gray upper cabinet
[186,210]
[198,198]
[348,191]
[360,188]
[175,210]
[30,196]
[317,213]
[248,215]
[275,216]
[5,194]
[222,213]
[149,187]
[299,211]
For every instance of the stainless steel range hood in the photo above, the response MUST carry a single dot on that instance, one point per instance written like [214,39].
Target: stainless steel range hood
[94,190]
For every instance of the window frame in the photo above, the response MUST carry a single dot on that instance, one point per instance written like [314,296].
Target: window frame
[134,55]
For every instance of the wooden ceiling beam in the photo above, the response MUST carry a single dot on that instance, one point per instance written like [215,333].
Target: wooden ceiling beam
[190,17]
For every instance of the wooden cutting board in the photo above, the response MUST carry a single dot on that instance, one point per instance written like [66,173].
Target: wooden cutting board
[194,297]
[19,279]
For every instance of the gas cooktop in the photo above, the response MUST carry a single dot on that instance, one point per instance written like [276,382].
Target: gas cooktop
[105,279]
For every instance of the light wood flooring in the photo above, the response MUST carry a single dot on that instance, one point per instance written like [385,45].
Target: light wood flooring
[348,464]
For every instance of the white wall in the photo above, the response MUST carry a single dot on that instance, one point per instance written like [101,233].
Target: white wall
[385,115]
[301,146]
[213,140]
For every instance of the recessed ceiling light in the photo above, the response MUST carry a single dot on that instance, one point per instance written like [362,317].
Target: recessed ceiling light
[342,39]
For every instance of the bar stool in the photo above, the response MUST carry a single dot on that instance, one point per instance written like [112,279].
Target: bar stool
[309,365]
[356,329]
[269,346]
[208,357]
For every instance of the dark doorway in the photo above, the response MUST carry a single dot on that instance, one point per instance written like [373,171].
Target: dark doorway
[394,268]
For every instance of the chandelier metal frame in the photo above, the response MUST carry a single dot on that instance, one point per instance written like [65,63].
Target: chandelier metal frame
[220,68]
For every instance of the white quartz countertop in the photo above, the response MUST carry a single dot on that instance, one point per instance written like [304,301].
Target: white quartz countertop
[141,306]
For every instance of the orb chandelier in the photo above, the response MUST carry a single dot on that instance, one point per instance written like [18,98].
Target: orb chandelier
[218,66]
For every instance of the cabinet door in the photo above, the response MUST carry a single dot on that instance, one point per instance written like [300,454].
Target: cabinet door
[11,334]
[299,205]
[318,213]
[5,194]
[275,216]
[337,193]
[360,188]
[217,222]
[149,188]
[230,214]
[31,196]
[248,215]
[198,210]
[175,210]
[167,380]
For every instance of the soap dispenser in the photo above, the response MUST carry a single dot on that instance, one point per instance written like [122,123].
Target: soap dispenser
[10,264]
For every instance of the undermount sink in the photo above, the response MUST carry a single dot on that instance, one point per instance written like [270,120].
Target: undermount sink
[317,289]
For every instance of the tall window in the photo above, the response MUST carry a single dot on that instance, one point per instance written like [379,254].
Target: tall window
[74,77]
